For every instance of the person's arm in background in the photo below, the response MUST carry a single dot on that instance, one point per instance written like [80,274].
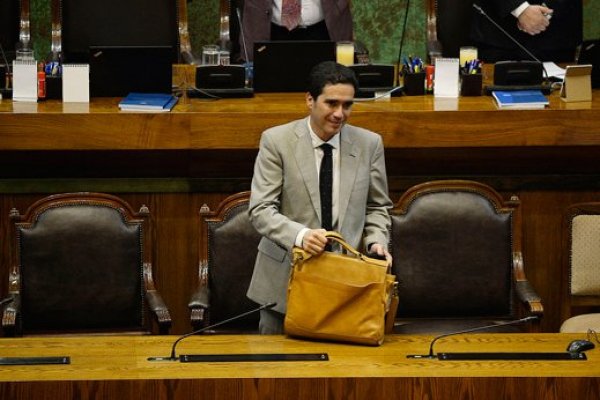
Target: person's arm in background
[532,19]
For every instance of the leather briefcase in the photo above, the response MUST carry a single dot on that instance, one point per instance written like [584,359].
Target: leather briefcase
[340,297]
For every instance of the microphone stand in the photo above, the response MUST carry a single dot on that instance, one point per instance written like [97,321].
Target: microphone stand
[236,357]
[497,355]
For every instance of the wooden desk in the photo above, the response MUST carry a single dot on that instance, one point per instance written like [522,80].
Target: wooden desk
[117,367]
[407,122]
[204,150]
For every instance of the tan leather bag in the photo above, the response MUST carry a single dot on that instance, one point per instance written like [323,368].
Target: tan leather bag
[340,297]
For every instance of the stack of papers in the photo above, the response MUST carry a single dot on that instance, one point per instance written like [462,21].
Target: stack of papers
[520,99]
[153,102]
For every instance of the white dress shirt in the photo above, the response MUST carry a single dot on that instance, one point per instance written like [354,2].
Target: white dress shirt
[312,12]
[335,192]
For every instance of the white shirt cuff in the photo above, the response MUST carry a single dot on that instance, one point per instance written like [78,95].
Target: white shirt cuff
[519,10]
[300,236]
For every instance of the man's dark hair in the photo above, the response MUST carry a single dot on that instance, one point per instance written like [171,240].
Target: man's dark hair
[329,73]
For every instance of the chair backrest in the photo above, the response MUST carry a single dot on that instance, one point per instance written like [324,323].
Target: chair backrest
[452,245]
[79,265]
[581,258]
[448,26]
[227,261]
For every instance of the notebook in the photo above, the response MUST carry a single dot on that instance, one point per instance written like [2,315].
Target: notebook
[116,71]
[25,80]
[446,77]
[520,99]
[155,102]
[75,83]
[589,53]
[284,66]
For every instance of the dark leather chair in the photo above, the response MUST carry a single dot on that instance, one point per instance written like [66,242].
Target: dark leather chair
[227,258]
[581,268]
[457,256]
[81,263]
[448,27]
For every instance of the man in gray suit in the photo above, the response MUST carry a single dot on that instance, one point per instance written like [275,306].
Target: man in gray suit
[285,205]
[320,20]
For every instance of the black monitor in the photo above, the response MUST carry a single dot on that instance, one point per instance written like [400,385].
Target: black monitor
[88,23]
[284,66]
[116,71]
[589,53]
[9,29]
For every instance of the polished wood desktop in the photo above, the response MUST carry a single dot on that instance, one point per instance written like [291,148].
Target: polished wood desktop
[204,150]
[415,122]
[104,367]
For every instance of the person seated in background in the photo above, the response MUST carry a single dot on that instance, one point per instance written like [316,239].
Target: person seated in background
[294,20]
[550,30]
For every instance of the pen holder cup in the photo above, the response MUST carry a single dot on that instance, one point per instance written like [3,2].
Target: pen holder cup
[471,84]
[414,84]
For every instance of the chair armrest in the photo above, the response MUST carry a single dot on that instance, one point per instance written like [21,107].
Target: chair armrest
[200,298]
[159,309]
[11,311]
[529,296]
[200,301]
[155,302]
[199,305]
[525,292]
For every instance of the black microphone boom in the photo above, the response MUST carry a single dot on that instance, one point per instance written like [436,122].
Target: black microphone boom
[479,328]
[239,17]
[498,355]
[173,356]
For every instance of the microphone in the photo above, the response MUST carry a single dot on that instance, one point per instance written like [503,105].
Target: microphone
[508,35]
[173,356]
[480,328]
[239,17]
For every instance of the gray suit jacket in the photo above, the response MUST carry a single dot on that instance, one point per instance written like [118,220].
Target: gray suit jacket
[256,21]
[285,199]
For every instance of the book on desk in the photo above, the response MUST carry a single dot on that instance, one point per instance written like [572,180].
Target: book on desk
[520,99]
[151,102]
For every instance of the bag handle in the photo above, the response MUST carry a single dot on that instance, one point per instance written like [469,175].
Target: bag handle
[336,237]
[298,253]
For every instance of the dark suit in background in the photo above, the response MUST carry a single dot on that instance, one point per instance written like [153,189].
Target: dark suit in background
[557,43]
[257,15]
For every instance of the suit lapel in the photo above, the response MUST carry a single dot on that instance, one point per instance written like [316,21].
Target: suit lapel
[305,160]
[349,156]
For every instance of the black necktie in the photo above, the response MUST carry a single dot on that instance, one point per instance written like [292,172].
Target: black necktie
[325,185]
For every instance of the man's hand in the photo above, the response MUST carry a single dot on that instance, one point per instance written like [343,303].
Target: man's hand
[314,241]
[381,251]
[535,19]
